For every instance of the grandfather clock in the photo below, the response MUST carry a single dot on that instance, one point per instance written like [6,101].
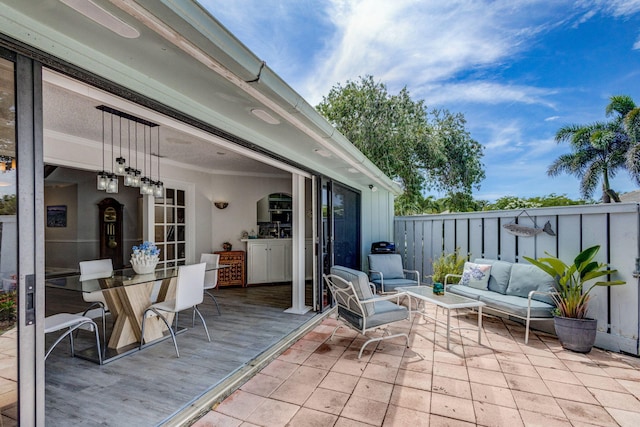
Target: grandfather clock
[111,230]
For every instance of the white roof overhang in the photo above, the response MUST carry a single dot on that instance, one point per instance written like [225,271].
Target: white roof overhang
[186,60]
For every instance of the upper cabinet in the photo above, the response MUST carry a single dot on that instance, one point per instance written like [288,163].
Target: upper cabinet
[275,207]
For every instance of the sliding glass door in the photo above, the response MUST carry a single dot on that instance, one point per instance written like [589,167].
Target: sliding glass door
[340,231]
[21,253]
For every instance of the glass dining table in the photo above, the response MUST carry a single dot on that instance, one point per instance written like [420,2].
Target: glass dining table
[127,295]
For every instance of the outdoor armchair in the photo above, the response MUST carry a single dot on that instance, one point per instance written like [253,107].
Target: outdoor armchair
[387,273]
[360,308]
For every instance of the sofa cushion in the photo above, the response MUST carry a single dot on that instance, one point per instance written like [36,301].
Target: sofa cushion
[360,282]
[467,291]
[385,312]
[526,278]
[500,273]
[476,275]
[389,264]
[517,305]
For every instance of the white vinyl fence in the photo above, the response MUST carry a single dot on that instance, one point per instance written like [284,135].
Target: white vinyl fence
[615,227]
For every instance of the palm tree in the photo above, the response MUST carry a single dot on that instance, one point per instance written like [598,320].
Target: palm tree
[631,123]
[598,150]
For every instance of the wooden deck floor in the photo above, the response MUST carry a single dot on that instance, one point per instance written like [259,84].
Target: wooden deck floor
[147,387]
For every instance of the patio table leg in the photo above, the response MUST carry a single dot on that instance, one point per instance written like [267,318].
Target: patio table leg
[448,326]
[480,325]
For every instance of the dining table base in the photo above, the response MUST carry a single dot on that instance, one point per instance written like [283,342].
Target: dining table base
[127,304]
[111,354]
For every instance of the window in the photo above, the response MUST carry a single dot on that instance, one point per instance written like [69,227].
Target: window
[169,227]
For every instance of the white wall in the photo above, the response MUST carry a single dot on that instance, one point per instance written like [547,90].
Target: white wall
[80,240]
[211,226]
[242,193]
[377,220]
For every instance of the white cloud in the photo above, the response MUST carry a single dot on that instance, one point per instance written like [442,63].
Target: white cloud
[485,92]
[425,45]
[622,7]
[552,119]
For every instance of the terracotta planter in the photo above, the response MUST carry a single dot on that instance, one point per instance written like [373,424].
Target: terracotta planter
[577,335]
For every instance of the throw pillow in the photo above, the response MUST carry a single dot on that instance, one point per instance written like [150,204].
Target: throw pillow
[476,275]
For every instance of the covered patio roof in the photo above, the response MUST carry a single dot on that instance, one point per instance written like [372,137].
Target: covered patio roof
[177,57]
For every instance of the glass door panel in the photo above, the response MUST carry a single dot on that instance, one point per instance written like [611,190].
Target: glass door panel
[8,247]
[339,231]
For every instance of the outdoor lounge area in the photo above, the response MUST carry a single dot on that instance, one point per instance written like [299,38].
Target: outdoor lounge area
[320,381]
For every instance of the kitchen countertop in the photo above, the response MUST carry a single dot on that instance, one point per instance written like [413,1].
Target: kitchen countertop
[265,238]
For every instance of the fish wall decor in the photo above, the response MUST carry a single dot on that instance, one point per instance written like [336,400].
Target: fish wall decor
[527,231]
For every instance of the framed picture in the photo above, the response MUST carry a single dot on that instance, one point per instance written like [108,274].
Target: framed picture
[57,216]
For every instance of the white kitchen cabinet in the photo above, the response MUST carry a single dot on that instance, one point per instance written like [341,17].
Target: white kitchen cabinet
[268,260]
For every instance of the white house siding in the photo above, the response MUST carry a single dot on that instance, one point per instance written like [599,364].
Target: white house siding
[615,227]
[377,219]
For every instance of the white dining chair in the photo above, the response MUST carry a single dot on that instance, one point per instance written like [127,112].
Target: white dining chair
[189,293]
[90,271]
[211,277]
[70,322]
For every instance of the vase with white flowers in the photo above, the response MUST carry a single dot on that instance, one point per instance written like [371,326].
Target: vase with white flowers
[145,257]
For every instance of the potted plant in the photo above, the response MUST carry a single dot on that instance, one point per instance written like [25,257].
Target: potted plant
[451,263]
[575,331]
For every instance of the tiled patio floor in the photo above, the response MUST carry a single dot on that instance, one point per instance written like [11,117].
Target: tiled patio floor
[321,382]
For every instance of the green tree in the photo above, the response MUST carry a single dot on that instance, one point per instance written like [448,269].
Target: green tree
[513,202]
[598,150]
[395,133]
[626,108]
[8,205]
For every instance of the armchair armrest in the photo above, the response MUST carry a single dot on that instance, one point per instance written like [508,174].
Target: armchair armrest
[532,293]
[413,272]
[384,297]
[446,279]
[371,272]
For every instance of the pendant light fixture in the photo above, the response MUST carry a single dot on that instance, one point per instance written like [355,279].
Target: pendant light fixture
[158,189]
[102,175]
[108,180]
[145,182]
[130,174]
[136,172]
[112,183]
[121,162]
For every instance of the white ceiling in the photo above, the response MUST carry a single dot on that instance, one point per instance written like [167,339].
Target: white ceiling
[185,60]
[69,113]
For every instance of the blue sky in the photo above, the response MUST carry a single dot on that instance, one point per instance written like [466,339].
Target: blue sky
[517,70]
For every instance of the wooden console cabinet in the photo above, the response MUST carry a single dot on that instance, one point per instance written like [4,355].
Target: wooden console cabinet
[233,275]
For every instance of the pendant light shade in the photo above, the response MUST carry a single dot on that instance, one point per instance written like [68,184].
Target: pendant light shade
[158,189]
[102,181]
[108,180]
[112,183]
[121,166]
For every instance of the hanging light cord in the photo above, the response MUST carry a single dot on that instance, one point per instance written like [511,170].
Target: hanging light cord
[112,132]
[158,153]
[102,140]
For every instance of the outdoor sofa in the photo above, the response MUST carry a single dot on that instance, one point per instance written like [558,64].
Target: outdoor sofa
[515,289]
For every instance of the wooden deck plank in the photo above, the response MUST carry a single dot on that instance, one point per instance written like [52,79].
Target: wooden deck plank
[78,392]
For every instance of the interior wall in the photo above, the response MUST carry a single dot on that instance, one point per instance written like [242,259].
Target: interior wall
[79,240]
[242,193]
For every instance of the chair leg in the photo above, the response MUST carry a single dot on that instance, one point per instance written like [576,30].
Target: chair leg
[173,335]
[214,300]
[195,310]
[380,339]
[70,332]
[104,322]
